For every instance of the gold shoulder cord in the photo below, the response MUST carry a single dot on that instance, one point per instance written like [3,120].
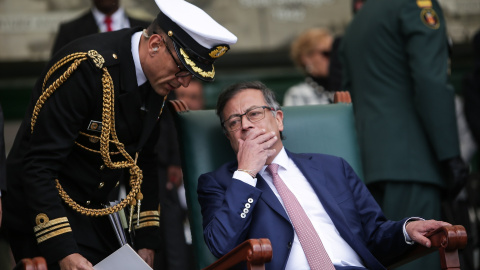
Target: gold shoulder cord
[108,134]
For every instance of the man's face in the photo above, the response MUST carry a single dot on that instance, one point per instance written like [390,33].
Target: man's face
[317,58]
[160,66]
[239,104]
[192,95]
[107,6]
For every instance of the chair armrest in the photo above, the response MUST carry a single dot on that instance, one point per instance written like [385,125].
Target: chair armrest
[447,240]
[256,252]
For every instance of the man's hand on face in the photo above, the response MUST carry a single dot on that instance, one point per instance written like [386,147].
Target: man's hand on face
[254,150]
[75,261]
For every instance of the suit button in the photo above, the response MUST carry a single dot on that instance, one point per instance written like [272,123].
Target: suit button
[102,167]
[101,185]
[118,183]
[243,215]
[87,203]
[245,210]
[114,56]
[247,205]
[250,200]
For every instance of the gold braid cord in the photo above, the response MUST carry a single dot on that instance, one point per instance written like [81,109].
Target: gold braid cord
[108,133]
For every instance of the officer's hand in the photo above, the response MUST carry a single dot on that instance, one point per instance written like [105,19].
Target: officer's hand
[75,261]
[174,176]
[418,228]
[147,255]
[456,172]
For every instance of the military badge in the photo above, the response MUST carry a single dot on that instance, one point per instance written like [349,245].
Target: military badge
[218,51]
[430,18]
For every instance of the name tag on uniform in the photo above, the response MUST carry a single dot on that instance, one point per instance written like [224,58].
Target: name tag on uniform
[95,126]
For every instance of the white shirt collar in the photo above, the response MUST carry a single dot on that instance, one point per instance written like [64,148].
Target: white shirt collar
[281,159]
[141,79]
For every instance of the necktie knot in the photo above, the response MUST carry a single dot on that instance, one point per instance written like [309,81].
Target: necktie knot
[272,169]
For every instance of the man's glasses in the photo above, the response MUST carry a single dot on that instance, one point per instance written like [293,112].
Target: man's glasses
[255,114]
[183,72]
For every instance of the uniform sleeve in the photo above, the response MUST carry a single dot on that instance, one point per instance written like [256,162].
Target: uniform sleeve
[54,133]
[423,28]
[225,224]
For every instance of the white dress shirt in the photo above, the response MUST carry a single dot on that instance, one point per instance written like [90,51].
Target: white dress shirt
[119,19]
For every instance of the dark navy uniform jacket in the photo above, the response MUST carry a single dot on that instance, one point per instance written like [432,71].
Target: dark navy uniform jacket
[56,150]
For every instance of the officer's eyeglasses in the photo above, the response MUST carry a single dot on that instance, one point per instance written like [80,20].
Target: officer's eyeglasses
[255,114]
[183,72]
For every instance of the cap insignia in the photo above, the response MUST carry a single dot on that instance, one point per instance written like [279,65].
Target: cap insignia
[430,18]
[208,74]
[218,51]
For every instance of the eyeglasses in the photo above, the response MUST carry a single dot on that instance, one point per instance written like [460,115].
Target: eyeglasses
[255,114]
[183,72]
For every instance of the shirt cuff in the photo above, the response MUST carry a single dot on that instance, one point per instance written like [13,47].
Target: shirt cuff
[409,240]
[245,177]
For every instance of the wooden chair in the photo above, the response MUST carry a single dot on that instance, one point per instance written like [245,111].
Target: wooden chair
[204,148]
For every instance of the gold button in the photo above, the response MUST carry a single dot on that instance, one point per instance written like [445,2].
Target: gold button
[87,203]
[116,185]
[102,167]
[170,33]
[101,185]
[114,56]
[94,139]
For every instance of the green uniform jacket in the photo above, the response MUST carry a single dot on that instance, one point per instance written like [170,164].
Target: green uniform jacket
[395,59]
[55,150]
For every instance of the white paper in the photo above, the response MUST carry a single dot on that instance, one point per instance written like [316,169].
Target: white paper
[125,258]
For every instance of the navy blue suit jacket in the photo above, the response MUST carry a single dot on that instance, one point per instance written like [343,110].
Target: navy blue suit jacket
[353,210]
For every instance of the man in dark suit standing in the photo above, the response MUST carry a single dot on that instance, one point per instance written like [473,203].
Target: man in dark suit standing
[104,16]
[395,65]
[306,204]
[93,121]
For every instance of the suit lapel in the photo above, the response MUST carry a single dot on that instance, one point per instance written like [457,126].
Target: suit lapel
[317,179]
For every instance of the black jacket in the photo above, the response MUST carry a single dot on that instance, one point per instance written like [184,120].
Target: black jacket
[55,150]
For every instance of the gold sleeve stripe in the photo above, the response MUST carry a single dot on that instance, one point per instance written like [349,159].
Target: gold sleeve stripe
[50,223]
[148,218]
[54,228]
[53,234]
[147,213]
[148,224]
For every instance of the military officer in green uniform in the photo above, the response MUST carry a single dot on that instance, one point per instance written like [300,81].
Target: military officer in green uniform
[92,122]
[395,65]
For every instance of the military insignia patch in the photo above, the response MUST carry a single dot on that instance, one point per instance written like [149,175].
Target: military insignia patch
[218,51]
[95,126]
[430,18]
[424,3]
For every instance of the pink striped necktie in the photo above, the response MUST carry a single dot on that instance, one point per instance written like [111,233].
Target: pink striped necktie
[312,246]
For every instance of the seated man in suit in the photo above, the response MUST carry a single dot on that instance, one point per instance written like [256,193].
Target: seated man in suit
[315,210]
